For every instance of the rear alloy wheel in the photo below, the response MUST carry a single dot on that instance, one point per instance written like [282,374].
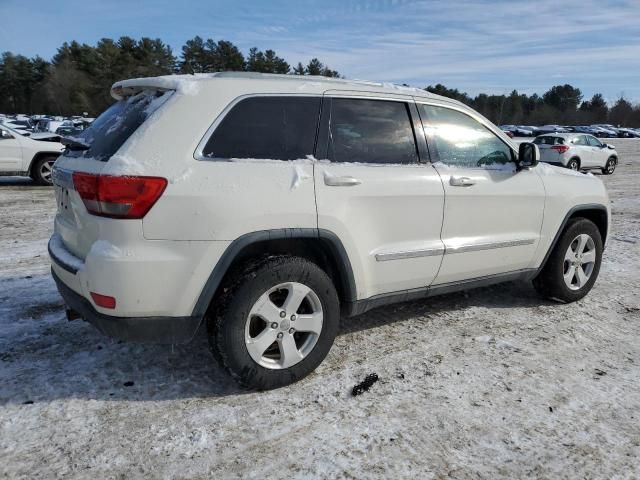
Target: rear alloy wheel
[610,167]
[275,322]
[42,170]
[574,164]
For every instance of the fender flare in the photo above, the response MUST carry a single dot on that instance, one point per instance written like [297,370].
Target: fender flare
[238,245]
[565,220]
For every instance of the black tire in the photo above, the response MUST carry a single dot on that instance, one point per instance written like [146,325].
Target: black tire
[41,170]
[610,167]
[550,281]
[228,318]
[574,164]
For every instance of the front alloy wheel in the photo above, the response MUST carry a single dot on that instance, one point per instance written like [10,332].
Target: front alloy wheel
[579,261]
[574,263]
[610,167]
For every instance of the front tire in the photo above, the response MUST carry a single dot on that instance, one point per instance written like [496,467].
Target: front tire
[610,166]
[574,263]
[275,322]
[42,169]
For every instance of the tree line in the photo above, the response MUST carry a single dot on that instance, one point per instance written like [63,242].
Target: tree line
[561,104]
[79,76]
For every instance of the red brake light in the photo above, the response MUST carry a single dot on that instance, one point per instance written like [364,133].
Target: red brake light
[560,148]
[116,196]
[103,301]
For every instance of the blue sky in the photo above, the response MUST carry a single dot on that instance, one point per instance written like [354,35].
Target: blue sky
[476,46]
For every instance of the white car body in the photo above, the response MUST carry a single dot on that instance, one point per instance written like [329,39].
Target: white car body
[561,148]
[18,153]
[397,231]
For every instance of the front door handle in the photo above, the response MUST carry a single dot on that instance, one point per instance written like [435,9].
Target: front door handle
[461,181]
[346,181]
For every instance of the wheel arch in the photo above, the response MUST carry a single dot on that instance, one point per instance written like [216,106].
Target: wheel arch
[595,212]
[38,156]
[323,247]
[575,157]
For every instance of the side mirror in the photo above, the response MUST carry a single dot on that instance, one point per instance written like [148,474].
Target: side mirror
[528,155]
[5,134]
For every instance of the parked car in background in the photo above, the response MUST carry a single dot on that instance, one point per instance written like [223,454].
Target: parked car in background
[606,131]
[48,125]
[517,130]
[206,204]
[628,133]
[577,151]
[20,155]
[551,129]
[19,126]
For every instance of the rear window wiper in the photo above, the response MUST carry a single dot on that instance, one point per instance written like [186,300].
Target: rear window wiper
[74,143]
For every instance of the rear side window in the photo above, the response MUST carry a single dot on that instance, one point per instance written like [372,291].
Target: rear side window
[549,141]
[115,125]
[371,131]
[580,140]
[279,128]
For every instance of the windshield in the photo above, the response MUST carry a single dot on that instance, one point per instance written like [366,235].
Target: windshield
[115,125]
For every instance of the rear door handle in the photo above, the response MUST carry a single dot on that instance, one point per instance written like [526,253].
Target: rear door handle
[461,181]
[346,181]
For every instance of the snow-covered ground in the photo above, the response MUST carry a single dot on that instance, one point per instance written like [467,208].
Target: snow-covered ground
[492,383]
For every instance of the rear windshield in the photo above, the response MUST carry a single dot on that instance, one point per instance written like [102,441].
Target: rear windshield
[115,125]
[549,141]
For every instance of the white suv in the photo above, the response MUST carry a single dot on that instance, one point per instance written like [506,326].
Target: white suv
[577,151]
[20,155]
[268,206]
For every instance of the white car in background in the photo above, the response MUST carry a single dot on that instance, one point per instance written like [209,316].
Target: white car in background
[20,155]
[577,151]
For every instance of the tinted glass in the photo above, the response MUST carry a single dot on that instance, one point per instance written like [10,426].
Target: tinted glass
[279,128]
[594,142]
[462,141]
[371,131]
[549,141]
[115,125]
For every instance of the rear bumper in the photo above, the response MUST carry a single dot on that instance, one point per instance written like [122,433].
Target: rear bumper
[169,330]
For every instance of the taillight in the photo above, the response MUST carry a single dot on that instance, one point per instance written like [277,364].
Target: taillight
[118,197]
[560,148]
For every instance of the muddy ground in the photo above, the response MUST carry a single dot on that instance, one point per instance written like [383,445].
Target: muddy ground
[492,383]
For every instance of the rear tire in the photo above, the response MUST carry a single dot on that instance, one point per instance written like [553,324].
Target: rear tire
[574,264]
[275,322]
[610,167]
[42,169]
[574,164]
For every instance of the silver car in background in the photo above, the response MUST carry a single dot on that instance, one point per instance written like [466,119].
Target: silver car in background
[577,151]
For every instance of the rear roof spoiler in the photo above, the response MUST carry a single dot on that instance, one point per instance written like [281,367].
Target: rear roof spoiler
[182,83]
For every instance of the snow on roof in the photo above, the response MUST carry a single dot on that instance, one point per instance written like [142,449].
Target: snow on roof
[188,84]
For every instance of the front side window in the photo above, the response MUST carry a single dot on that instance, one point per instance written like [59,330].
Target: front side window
[271,127]
[371,131]
[462,141]
[594,142]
